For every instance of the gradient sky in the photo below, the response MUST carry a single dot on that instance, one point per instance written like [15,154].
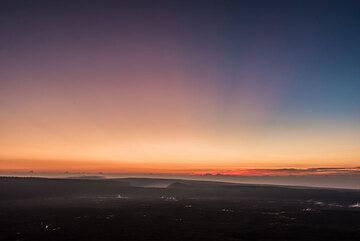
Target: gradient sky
[179,86]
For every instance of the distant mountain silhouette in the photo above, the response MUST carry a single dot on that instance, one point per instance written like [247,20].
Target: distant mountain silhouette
[179,185]
[17,188]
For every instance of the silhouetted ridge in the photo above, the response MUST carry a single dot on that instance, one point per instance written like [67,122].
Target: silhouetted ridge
[178,185]
[13,187]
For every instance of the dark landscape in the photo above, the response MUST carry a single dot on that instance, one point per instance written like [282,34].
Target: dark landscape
[168,209]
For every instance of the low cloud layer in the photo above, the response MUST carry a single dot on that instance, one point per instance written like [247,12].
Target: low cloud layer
[313,177]
[285,171]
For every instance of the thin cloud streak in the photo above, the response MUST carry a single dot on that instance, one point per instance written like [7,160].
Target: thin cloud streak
[286,171]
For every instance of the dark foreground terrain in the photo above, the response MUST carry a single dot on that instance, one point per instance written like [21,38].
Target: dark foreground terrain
[154,209]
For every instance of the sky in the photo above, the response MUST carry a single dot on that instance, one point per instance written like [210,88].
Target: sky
[179,86]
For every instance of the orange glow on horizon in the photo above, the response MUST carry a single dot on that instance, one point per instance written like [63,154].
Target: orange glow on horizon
[186,153]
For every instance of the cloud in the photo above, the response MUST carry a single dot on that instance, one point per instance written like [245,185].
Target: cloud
[284,171]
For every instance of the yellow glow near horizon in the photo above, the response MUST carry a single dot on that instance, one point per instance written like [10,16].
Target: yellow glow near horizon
[174,150]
